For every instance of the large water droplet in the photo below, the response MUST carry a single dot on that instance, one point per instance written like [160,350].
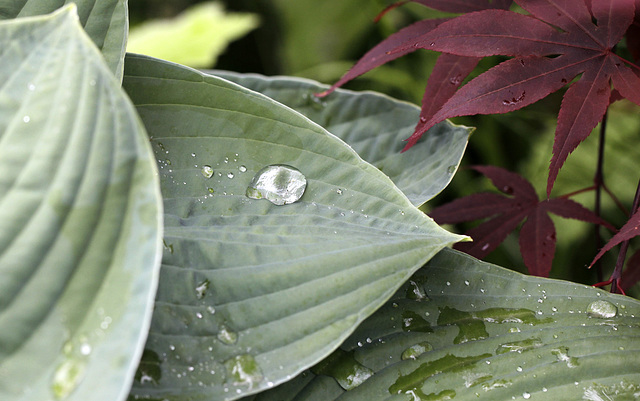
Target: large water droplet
[207,171]
[602,309]
[277,183]
[243,370]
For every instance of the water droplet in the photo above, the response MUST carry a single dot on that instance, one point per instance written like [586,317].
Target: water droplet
[26,119]
[416,292]
[432,44]
[423,119]
[455,80]
[193,155]
[211,191]
[243,370]
[31,87]
[242,169]
[201,289]
[514,100]
[416,350]
[211,309]
[207,171]
[278,183]
[466,282]
[452,169]
[485,247]
[67,376]
[227,336]
[229,175]
[562,355]
[519,369]
[602,309]
[526,395]
[339,191]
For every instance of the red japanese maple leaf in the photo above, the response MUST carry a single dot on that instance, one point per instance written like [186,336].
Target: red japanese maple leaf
[557,42]
[505,213]
[449,71]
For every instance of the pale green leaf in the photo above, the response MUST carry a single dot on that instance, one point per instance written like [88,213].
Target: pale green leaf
[80,224]
[463,329]
[375,126]
[105,21]
[252,293]
[195,38]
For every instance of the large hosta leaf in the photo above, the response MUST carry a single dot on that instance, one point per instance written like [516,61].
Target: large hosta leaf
[252,293]
[105,21]
[80,218]
[463,329]
[375,126]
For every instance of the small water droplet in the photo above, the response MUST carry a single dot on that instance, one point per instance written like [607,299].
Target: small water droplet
[602,309]
[243,370]
[466,282]
[227,336]
[485,247]
[229,175]
[277,183]
[526,395]
[423,119]
[26,119]
[242,169]
[339,191]
[514,100]
[452,169]
[201,289]
[31,87]
[416,350]
[432,44]
[207,171]
[519,369]
[67,376]
[455,80]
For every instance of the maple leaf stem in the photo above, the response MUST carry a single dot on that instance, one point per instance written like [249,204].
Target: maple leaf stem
[616,276]
[578,192]
[598,181]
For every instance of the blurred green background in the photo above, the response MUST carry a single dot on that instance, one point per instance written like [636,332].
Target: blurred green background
[321,40]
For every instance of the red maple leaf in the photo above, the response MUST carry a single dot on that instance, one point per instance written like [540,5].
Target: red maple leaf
[449,71]
[505,213]
[557,42]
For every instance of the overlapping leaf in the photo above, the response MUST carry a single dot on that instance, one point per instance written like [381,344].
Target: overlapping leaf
[105,21]
[252,293]
[537,236]
[80,218]
[374,126]
[465,330]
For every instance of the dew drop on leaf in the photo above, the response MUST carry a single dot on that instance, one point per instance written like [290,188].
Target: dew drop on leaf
[207,171]
[201,289]
[278,183]
[227,336]
[602,309]
[243,370]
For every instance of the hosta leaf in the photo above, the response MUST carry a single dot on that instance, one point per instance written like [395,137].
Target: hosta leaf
[105,21]
[375,126]
[80,217]
[463,329]
[252,293]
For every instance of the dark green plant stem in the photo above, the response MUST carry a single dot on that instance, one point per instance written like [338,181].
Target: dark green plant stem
[617,271]
[598,181]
